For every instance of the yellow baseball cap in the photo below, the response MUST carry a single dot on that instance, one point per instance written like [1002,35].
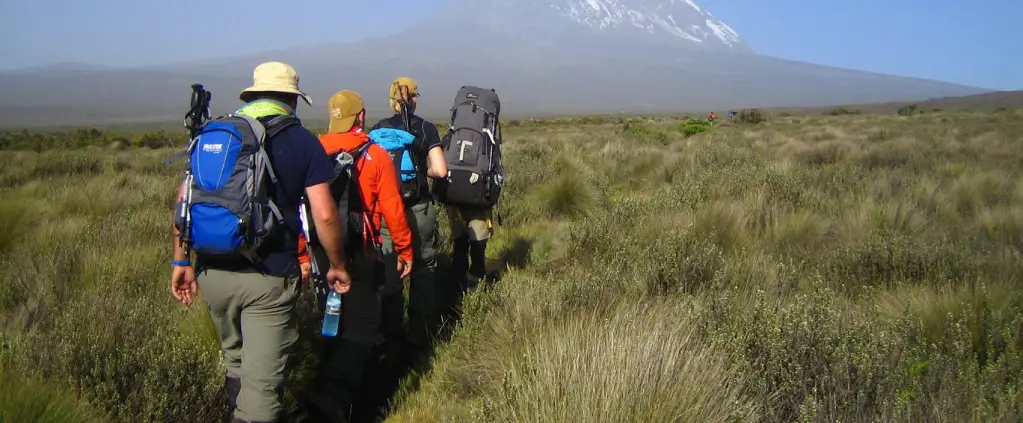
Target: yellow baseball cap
[343,108]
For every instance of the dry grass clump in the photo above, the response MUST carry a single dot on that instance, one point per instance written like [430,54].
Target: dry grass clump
[636,362]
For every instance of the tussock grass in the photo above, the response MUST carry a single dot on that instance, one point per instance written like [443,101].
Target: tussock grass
[837,268]
[572,194]
[14,218]
[629,363]
[827,258]
[24,400]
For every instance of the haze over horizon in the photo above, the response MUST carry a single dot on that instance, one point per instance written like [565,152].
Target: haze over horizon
[946,41]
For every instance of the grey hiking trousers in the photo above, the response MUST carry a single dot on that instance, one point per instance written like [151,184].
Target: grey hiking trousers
[423,314]
[254,316]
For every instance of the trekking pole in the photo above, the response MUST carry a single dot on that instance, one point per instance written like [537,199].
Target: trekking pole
[403,100]
[198,114]
[404,97]
[199,111]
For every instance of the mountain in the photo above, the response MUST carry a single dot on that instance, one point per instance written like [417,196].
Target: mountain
[542,57]
[663,22]
[59,68]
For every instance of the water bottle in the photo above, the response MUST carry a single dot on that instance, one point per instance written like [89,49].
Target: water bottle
[332,316]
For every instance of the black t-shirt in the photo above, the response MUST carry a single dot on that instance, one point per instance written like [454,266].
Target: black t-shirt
[299,161]
[427,138]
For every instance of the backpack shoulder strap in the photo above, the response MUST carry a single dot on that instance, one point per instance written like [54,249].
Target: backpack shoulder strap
[359,153]
[270,129]
[260,130]
[279,123]
[353,175]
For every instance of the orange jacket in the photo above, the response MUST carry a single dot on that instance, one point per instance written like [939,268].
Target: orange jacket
[303,251]
[378,188]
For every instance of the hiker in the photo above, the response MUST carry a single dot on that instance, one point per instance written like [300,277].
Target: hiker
[251,294]
[472,151]
[471,228]
[424,159]
[376,186]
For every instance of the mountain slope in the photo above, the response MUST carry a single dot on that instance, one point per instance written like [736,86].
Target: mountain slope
[542,56]
[978,102]
[675,18]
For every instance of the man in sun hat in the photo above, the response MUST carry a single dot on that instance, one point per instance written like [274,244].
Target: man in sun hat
[277,80]
[252,305]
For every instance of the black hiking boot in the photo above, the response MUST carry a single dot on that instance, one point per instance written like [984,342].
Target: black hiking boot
[233,386]
[323,409]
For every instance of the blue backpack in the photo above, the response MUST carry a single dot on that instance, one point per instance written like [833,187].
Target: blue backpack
[398,144]
[226,210]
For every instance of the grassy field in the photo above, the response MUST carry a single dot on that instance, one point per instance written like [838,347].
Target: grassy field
[829,268]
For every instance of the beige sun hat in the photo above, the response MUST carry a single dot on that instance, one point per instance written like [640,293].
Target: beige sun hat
[276,77]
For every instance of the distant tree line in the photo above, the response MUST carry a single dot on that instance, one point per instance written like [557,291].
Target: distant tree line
[92,137]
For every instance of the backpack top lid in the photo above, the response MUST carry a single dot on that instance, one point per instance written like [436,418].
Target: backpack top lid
[391,138]
[484,98]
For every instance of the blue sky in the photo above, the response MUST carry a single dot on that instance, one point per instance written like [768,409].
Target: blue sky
[974,43]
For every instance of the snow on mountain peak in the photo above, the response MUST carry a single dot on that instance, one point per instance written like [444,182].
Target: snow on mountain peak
[680,18]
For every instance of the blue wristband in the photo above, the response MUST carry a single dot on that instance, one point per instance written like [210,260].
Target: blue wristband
[179,263]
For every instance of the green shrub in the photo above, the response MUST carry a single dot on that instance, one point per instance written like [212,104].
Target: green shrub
[843,111]
[752,116]
[158,140]
[694,126]
[910,110]
[642,132]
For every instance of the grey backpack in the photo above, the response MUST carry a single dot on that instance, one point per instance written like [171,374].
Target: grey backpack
[472,150]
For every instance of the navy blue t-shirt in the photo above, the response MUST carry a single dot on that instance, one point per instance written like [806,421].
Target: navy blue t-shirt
[299,161]
[427,138]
